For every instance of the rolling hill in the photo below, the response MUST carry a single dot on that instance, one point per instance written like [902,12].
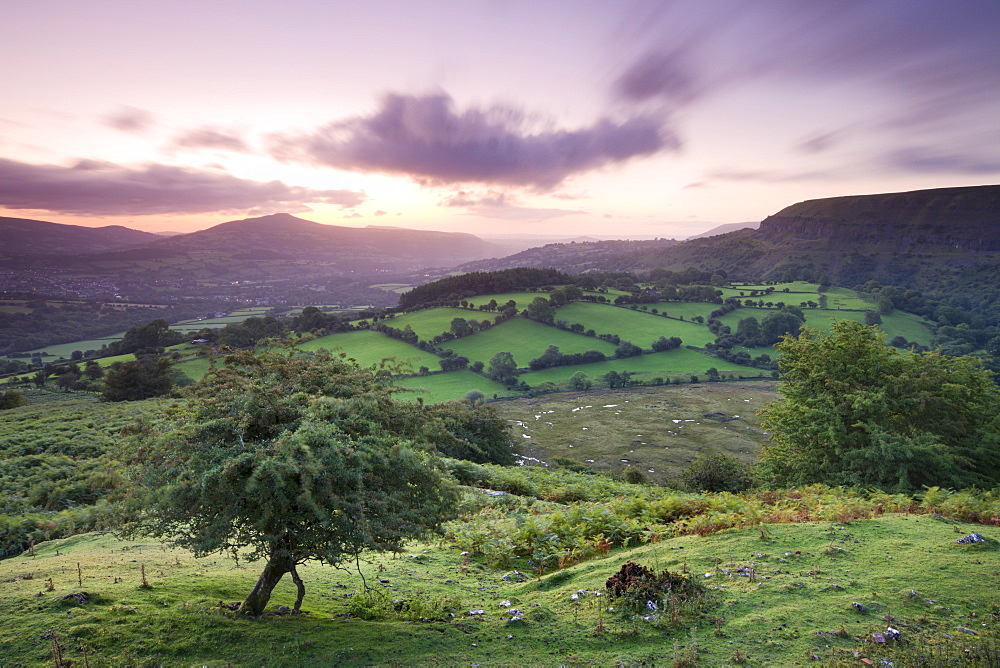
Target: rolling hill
[23,236]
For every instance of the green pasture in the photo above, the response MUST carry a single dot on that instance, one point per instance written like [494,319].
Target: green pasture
[525,340]
[680,363]
[433,321]
[685,310]
[194,368]
[523,299]
[66,349]
[212,323]
[639,327]
[845,298]
[449,386]
[370,348]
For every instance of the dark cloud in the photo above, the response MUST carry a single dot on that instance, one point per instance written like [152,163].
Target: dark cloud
[659,74]
[931,160]
[426,138]
[130,119]
[211,138]
[94,188]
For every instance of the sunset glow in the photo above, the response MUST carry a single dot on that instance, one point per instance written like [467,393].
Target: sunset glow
[560,117]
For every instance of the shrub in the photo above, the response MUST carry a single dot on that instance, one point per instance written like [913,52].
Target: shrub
[716,473]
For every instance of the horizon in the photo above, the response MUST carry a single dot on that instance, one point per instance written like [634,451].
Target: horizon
[646,119]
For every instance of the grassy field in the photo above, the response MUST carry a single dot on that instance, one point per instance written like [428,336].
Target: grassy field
[449,386]
[433,321]
[641,328]
[370,348]
[193,368]
[685,310]
[525,340]
[798,605]
[680,363]
[658,430]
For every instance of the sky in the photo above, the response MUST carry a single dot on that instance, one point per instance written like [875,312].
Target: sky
[544,117]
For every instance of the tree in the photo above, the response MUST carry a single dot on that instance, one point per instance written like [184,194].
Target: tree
[627,349]
[579,381]
[460,327]
[11,399]
[540,309]
[147,376]
[716,472]
[287,459]
[857,412]
[502,367]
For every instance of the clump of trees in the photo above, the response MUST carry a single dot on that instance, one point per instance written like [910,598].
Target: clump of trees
[291,458]
[857,412]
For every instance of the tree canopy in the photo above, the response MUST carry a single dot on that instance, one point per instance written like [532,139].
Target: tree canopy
[857,412]
[290,458]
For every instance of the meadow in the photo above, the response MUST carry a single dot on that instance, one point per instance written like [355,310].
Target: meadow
[639,327]
[769,594]
[525,340]
[449,386]
[370,348]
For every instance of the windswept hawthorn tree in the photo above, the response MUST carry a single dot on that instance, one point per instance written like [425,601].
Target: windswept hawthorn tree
[290,458]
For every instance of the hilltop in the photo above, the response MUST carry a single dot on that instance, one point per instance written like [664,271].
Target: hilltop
[944,242]
[24,236]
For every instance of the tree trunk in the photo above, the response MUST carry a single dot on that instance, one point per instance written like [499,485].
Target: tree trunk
[279,563]
[301,589]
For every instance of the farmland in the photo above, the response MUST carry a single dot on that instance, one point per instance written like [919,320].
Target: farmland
[525,340]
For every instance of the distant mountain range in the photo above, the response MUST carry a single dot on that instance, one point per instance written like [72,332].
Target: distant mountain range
[254,245]
[20,236]
[724,229]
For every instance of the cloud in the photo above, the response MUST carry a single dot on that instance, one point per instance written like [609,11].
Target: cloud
[94,188]
[130,119]
[930,160]
[380,212]
[211,138]
[427,138]
[501,206]
[659,74]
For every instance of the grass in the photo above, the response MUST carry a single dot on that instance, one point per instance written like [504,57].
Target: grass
[658,430]
[639,327]
[370,348]
[449,386]
[525,340]
[798,605]
[680,363]
[433,321]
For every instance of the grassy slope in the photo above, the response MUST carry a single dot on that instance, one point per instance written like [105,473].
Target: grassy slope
[433,321]
[525,340]
[808,577]
[449,386]
[636,326]
[370,347]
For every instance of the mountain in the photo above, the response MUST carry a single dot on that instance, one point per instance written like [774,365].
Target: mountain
[576,257]
[724,229]
[23,236]
[297,238]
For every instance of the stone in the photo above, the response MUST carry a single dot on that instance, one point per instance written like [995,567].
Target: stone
[859,607]
[892,634]
[974,537]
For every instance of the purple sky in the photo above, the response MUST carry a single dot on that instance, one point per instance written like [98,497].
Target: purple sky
[543,117]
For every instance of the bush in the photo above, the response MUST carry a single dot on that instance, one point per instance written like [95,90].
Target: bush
[717,473]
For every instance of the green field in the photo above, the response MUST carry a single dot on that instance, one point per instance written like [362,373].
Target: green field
[433,321]
[639,327]
[525,340]
[66,349]
[193,368]
[449,387]
[680,363]
[370,348]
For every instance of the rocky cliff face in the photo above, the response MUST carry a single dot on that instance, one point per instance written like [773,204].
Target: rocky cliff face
[966,218]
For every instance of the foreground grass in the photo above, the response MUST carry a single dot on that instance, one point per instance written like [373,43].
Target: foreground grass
[798,605]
